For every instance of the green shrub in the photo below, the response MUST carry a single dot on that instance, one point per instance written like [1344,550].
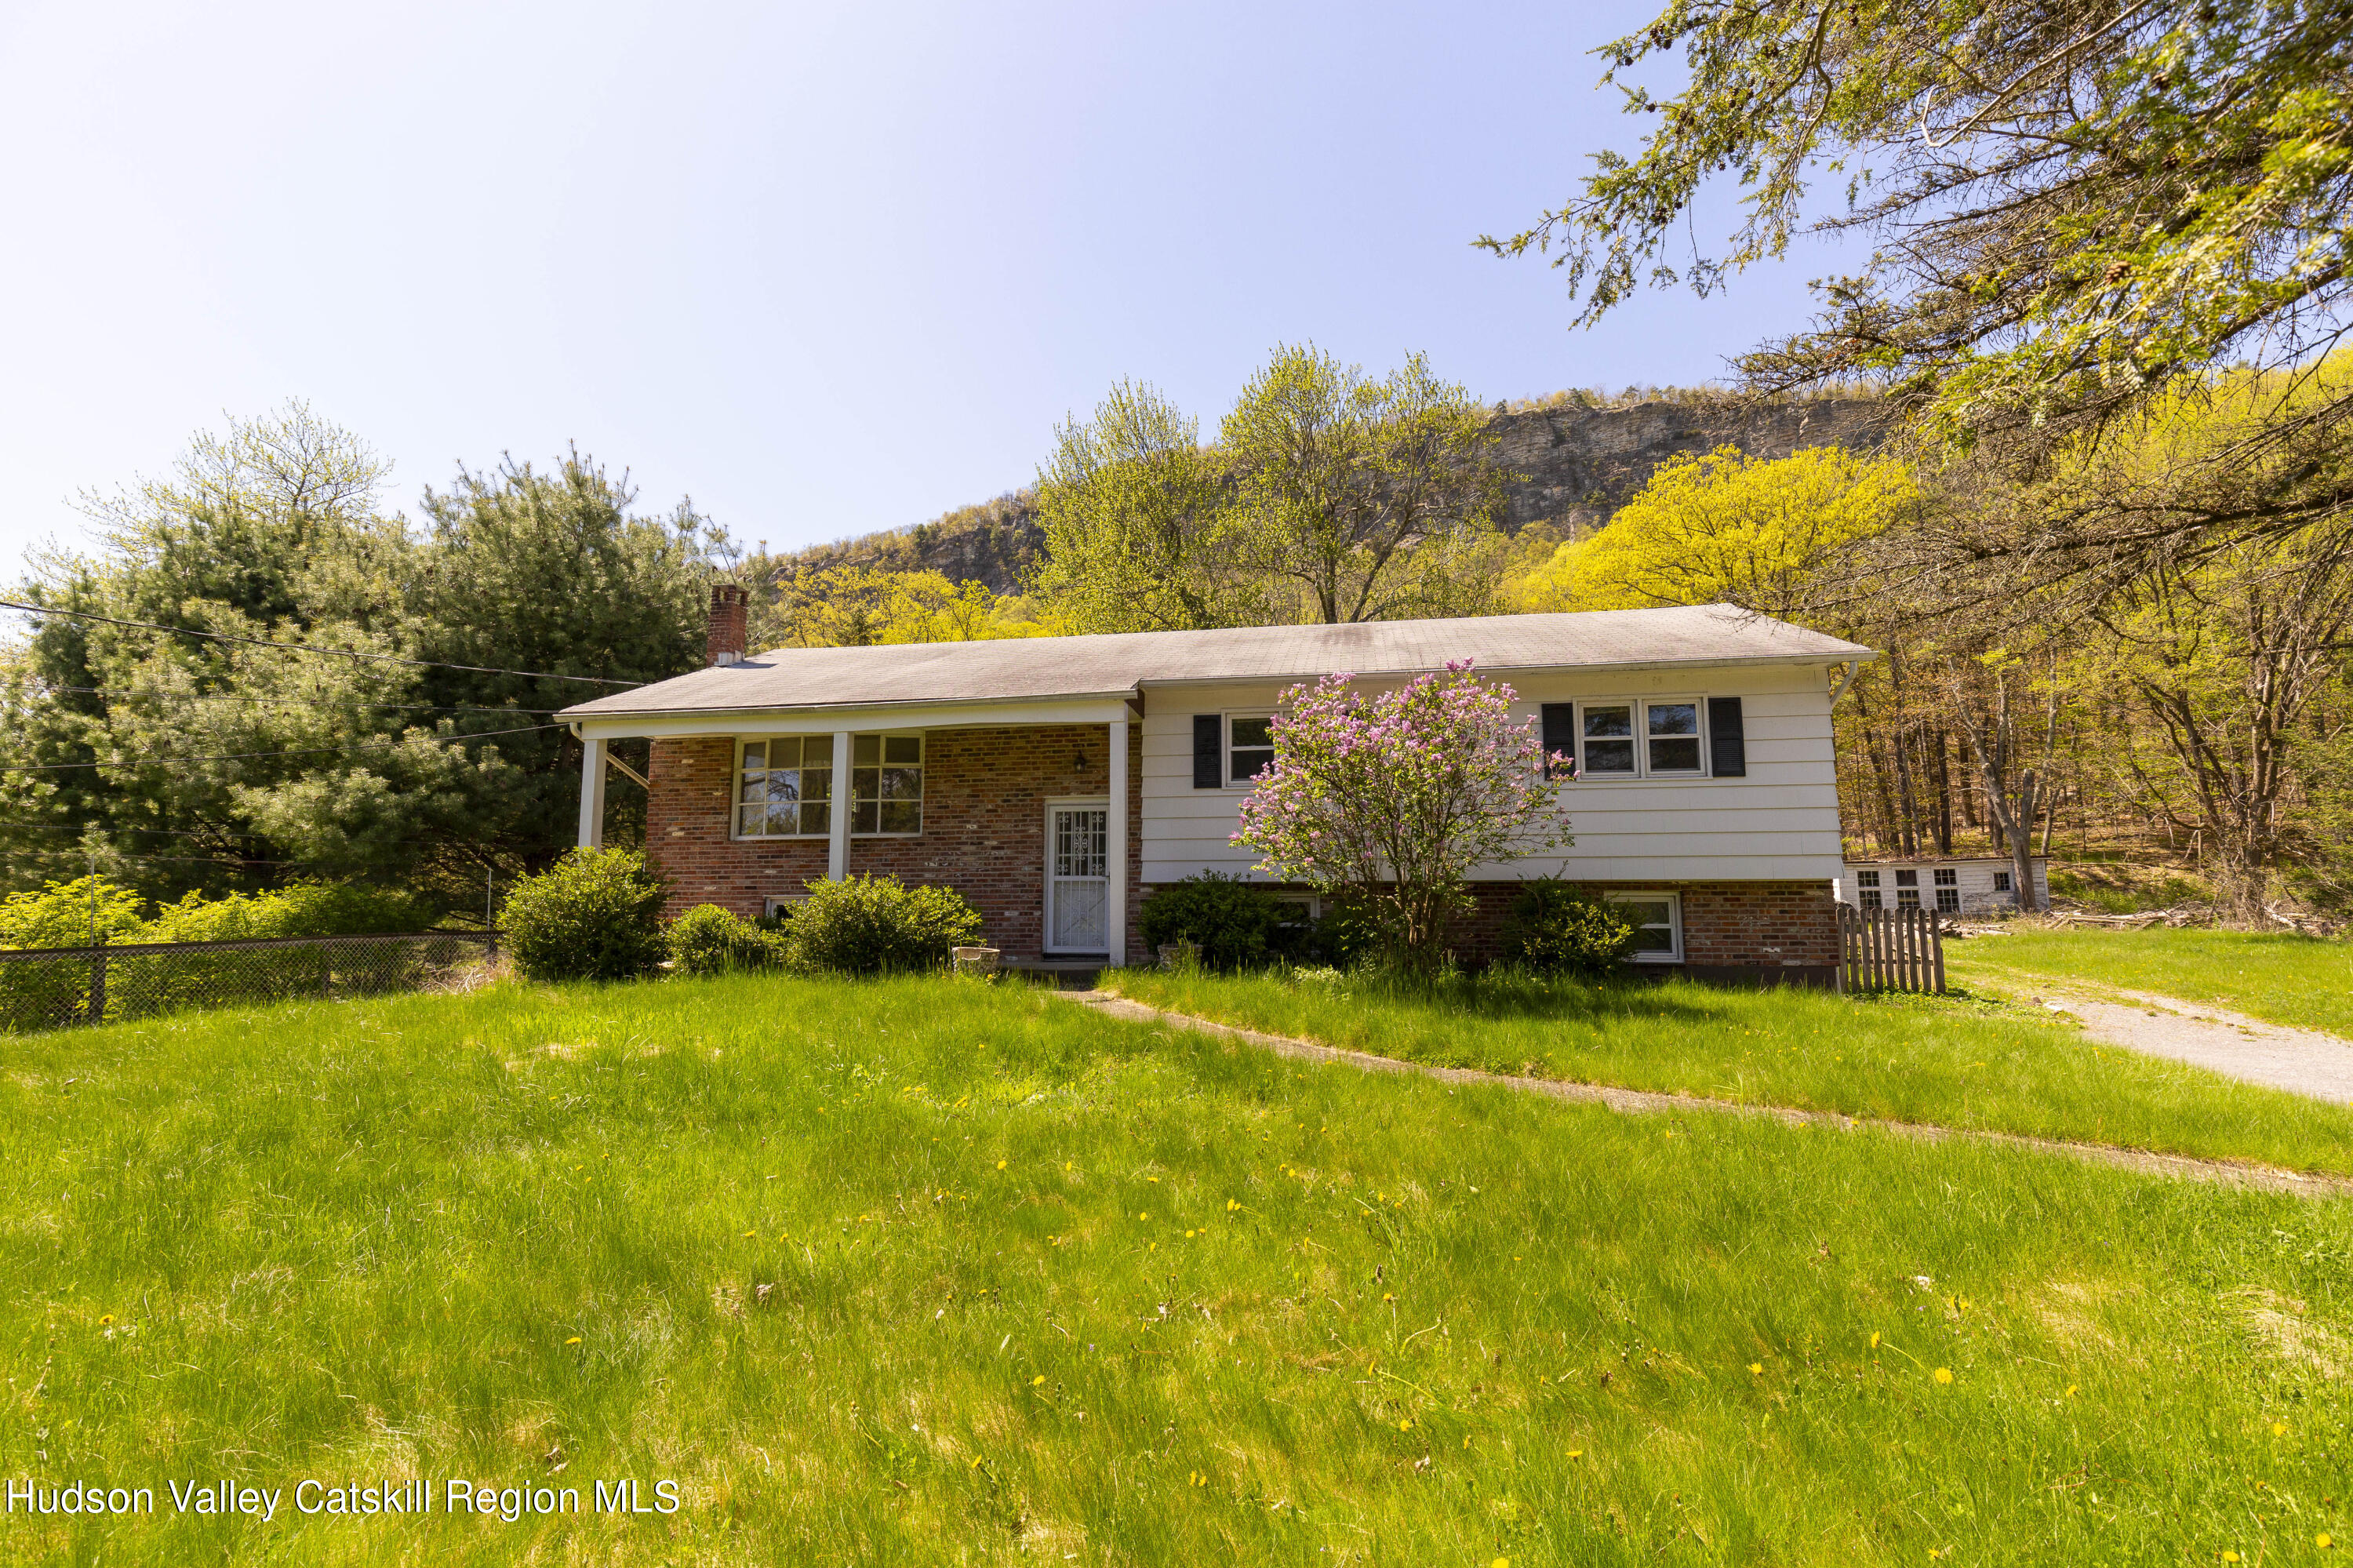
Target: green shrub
[1554,929]
[874,925]
[596,914]
[710,940]
[65,914]
[1233,922]
[300,909]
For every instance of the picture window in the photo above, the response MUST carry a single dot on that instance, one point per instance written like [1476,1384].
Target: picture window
[785,787]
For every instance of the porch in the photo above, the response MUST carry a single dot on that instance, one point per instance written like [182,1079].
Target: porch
[1015,816]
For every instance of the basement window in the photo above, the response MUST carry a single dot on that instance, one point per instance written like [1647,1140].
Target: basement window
[1658,920]
[784,786]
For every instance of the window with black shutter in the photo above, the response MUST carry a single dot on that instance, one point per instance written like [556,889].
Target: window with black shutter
[1209,750]
[1728,741]
[1560,739]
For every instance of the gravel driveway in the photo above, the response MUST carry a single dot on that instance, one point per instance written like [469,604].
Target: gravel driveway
[2304,1061]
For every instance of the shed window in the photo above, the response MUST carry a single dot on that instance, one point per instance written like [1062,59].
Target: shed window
[2001,882]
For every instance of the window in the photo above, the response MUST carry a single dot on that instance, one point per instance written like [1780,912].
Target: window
[785,787]
[1608,741]
[1249,747]
[1869,898]
[886,784]
[1658,926]
[1945,876]
[1674,737]
[1949,889]
[1907,879]
[1625,740]
[2001,882]
[777,904]
[1907,898]
[1866,879]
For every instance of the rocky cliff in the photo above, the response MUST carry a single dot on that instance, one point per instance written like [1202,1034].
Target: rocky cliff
[1571,466]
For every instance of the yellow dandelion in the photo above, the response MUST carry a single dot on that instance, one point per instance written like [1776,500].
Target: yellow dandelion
[1466,1439]
[749,1235]
[1406,1426]
[572,1340]
[2072,1388]
[1875,1339]
[1944,1374]
[1389,1294]
[104,1319]
[1233,1204]
[1143,1216]
[2230,1557]
[1154,1180]
[1500,1562]
[1001,1165]
[1038,1381]
[1577,1453]
[2322,1540]
[1188,1235]
[2279,1428]
[975,1462]
[1756,1368]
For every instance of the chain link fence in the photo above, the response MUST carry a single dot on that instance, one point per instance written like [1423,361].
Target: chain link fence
[48,987]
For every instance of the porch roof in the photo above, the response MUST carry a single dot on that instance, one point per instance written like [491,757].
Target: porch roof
[1120,665]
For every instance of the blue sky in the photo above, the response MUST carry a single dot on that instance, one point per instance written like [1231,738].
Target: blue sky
[826,269]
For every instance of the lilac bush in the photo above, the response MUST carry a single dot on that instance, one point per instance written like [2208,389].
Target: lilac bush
[1387,799]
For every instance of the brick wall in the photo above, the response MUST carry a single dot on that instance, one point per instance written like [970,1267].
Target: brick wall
[1731,930]
[985,794]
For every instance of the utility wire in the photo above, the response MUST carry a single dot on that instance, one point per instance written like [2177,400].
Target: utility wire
[312,702]
[306,648]
[248,755]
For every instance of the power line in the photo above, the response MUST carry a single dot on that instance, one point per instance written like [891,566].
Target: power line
[248,755]
[306,648]
[312,702]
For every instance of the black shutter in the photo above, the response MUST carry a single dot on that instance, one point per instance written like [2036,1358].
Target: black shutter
[1560,732]
[1207,752]
[1725,740]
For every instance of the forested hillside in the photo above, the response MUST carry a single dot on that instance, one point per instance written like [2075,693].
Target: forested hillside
[1570,461]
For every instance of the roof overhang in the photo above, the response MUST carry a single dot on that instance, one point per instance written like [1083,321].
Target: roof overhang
[822,719]
[1627,667]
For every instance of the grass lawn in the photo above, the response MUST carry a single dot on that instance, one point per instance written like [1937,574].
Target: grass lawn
[1952,1061]
[2287,979]
[930,1272]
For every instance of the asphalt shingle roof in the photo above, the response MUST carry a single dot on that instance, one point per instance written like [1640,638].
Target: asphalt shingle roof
[1018,668]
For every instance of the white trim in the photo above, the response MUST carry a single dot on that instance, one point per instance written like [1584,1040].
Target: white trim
[1046,892]
[1674,903]
[836,836]
[591,795]
[757,721]
[1115,839]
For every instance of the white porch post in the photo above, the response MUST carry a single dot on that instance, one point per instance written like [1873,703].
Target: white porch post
[837,843]
[1118,842]
[592,794]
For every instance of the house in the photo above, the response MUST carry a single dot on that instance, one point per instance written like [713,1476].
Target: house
[1705,799]
[1964,884]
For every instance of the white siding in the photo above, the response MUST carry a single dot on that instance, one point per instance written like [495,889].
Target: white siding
[1779,823]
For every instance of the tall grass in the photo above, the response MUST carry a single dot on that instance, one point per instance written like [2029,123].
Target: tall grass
[1950,1061]
[918,1272]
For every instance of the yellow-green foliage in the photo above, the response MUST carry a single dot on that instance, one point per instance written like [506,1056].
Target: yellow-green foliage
[858,605]
[1725,528]
[89,911]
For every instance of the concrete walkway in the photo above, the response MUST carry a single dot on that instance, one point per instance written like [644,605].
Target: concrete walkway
[2301,1061]
[2266,1177]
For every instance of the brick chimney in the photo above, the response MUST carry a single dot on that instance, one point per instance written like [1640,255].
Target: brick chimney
[730,622]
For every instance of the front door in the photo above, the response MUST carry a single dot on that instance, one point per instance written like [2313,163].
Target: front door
[1078,879]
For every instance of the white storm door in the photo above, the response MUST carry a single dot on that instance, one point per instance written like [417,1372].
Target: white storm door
[1078,879]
